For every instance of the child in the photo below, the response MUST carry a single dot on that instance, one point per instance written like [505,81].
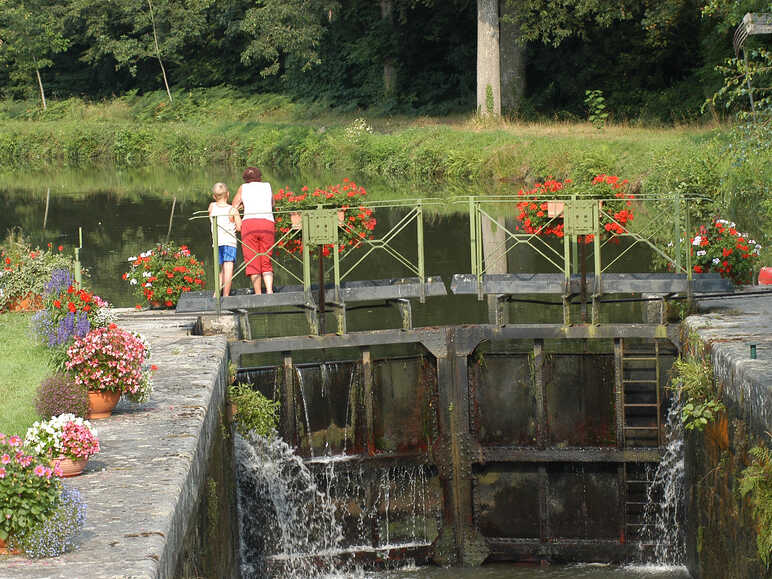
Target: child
[228,223]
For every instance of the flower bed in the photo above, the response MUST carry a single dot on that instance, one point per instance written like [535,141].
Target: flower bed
[357,224]
[539,216]
[160,275]
[719,247]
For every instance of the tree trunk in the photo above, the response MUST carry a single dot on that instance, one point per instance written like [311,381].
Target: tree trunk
[488,63]
[512,61]
[389,73]
[158,52]
[40,84]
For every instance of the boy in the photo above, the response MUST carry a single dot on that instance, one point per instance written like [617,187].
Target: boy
[228,223]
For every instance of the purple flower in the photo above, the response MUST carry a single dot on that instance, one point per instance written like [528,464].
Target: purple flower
[60,280]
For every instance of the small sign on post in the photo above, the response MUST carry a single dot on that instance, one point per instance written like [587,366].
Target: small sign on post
[580,216]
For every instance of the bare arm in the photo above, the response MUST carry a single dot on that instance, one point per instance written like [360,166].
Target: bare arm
[236,218]
[211,206]
[237,203]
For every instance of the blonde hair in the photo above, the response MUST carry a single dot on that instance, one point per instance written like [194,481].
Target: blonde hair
[219,191]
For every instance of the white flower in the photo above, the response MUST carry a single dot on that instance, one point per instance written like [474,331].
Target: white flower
[697,240]
[752,241]
[701,252]
[148,284]
[716,261]
[724,221]
[146,274]
[133,282]
[133,258]
[670,244]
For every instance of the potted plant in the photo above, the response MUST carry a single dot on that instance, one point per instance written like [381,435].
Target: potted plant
[24,270]
[356,221]
[66,439]
[55,535]
[539,213]
[29,488]
[719,247]
[162,274]
[59,394]
[110,362]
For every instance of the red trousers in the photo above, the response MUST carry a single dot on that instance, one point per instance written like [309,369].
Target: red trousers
[257,236]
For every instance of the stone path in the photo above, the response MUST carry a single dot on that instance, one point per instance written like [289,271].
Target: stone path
[730,326]
[141,488]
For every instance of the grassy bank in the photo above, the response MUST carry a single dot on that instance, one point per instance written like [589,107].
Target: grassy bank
[218,128]
[22,368]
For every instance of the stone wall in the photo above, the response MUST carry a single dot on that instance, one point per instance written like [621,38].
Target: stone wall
[721,530]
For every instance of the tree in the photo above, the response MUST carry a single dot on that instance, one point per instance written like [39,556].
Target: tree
[31,33]
[131,33]
[488,59]
[285,27]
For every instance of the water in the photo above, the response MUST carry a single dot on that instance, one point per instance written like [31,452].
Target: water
[663,516]
[324,510]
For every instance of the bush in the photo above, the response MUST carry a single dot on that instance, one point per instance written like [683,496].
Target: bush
[56,534]
[255,412]
[160,275]
[59,394]
[25,270]
[29,491]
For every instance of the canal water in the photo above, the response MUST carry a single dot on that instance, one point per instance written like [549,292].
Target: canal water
[121,214]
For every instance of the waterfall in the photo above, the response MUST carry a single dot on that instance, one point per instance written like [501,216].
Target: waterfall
[312,518]
[663,515]
[287,523]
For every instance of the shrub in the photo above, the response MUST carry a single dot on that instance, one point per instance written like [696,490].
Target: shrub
[25,270]
[59,394]
[160,275]
[29,491]
[255,413]
[55,535]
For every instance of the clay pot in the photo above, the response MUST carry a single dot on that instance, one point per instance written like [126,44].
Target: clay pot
[71,467]
[765,276]
[4,550]
[555,209]
[297,220]
[101,403]
[27,303]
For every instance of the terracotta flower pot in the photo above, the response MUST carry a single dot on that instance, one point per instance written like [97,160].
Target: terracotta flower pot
[4,550]
[297,220]
[555,209]
[72,467]
[26,303]
[101,403]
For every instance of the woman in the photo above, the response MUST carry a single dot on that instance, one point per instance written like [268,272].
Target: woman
[257,227]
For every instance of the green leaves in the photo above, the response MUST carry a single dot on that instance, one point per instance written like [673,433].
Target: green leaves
[255,412]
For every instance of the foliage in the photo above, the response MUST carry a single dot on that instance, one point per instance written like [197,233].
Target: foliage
[59,394]
[720,247]
[26,270]
[162,274]
[66,435]
[692,379]
[540,217]
[255,413]
[55,535]
[110,359]
[746,80]
[756,483]
[596,108]
[32,32]
[358,221]
[29,488]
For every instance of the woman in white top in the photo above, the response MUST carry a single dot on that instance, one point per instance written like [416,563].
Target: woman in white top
[257,228]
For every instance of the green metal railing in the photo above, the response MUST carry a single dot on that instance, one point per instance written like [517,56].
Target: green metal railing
[323,226]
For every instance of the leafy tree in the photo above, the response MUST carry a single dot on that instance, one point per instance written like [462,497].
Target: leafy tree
[31,32]
[285,27]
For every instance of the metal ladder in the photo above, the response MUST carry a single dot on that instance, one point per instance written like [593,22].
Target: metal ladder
[640,413]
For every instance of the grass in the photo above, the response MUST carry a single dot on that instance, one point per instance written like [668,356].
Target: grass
[22,368]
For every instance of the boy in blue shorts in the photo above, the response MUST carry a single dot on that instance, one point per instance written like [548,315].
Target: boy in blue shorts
[228,223]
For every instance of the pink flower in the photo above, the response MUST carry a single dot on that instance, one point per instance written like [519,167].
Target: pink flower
[40,470]
[2,472]
[14,441]
[5,459]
